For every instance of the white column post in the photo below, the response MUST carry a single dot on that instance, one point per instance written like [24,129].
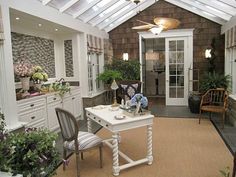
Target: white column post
[9,106]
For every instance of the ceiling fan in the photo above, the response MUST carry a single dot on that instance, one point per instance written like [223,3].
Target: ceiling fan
[161,24]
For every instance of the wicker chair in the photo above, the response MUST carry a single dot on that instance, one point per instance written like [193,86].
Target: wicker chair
[214,100]
[75,140]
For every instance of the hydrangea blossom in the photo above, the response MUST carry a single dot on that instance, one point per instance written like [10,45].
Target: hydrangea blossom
[23,69]
[139,98]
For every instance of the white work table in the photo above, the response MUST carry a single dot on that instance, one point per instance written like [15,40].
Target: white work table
[105,116]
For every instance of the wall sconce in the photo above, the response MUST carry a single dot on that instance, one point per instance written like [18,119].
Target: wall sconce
[114,87]
[125,56]
[208,53]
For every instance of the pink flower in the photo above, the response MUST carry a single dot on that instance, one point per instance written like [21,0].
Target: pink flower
[23,69]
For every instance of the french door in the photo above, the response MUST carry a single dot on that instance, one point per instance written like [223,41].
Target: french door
[176,71]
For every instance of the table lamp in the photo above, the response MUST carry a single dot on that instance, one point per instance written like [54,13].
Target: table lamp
[114,87]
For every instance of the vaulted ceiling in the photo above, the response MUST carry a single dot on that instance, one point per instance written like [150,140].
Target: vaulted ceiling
[108,14]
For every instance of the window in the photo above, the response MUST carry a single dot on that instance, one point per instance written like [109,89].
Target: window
[94,69]
[230,68]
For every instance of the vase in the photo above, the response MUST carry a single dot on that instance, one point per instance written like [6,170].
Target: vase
[38,86]
[194,101]
[25,83]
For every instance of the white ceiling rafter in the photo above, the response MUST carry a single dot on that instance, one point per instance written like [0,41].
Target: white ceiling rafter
[132,7]
[212,11]
[227,9]
[196,11]
[142,6]
[45,2]
[87,7]
[231,3]
[68,5]
[111,13]
[100,10]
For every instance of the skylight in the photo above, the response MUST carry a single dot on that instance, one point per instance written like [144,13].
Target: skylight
[100,4]
[124,16]
[112,8]
[120,11]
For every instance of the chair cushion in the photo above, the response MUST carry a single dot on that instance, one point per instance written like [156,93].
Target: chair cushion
[85,139]
[213,108]
[129,90]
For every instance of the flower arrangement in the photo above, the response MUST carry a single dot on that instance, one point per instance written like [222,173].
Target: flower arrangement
[23,69]
[38,75]
[139,98]
[31,153]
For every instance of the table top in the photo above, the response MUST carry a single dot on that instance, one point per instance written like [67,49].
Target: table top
[108,113]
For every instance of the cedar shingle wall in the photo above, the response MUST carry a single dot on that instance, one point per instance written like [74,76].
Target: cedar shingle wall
[124,39]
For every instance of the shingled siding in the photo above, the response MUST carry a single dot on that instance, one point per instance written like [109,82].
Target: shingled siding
[124,39]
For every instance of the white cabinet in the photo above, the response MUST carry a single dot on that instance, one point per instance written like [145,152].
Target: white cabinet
[33,111]
[53,101]
[40,111]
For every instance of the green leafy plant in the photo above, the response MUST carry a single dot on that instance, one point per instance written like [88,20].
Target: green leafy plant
[214,80]
[62,89]
[31,153]
[109,75]
[130,70]
[38,75]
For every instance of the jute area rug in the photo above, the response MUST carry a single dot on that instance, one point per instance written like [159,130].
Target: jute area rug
[181,148]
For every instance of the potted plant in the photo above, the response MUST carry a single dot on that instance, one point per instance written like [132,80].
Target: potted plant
[108,76]
[214,80]
[39,76]
[31,153]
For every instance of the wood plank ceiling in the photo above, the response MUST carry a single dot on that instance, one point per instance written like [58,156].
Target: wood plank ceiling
[108,14]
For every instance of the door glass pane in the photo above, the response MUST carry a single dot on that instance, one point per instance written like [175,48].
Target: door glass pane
[172,92]
[172,46]
[172,80]
[180,69]
[172,57]
[180,80]
[172,69]
[180,57]
[180,45]
[180,92]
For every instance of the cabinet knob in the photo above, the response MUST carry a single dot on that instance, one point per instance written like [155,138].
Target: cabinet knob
[73,98]
[31,105]
[94,117]
[33,117]
[99,120]
[106,125]
[54,98]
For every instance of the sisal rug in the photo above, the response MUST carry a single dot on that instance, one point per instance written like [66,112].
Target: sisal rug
[181,148]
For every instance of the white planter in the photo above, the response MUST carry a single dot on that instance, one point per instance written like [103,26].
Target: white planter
[25,83]
[5,174]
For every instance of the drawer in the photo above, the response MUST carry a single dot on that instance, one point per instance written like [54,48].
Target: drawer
[37,124]
[53,98]
[98,120]
[35,115]
[30,105]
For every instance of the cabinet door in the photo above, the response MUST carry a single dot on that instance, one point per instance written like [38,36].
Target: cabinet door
[52,117]
[68,104]
[77,105]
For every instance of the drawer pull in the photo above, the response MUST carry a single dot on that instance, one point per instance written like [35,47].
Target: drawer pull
[88,114]
[106,125]
[31,105]
[54,98]
[99,120]
[33,117]
[73,98]
[94,117]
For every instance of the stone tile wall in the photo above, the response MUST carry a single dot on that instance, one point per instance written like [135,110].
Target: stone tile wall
[68,58]
[124,39]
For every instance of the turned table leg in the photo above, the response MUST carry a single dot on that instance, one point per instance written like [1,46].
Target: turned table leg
[149,144]
[116,168]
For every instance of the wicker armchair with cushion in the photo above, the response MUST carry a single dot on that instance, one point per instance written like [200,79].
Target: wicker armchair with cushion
[75,140]
[214,100]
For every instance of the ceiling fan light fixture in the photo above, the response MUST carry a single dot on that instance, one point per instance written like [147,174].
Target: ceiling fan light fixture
[156,29]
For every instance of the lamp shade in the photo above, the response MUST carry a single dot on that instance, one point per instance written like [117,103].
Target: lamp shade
[156,30]
[114,85]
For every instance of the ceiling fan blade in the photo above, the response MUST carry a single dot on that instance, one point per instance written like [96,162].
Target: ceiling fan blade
[145,22]
[167,23]
[143,26]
